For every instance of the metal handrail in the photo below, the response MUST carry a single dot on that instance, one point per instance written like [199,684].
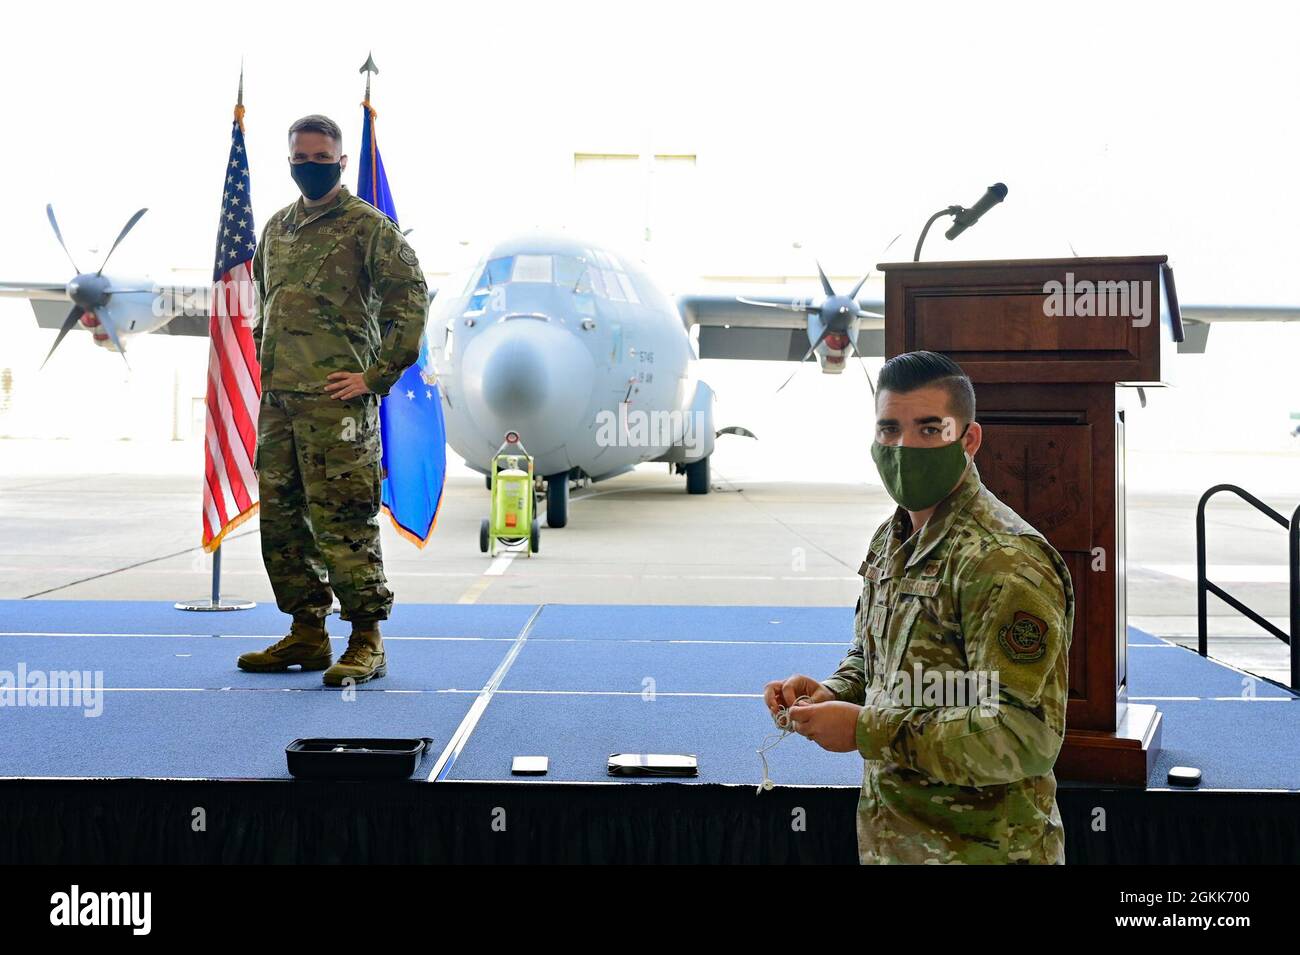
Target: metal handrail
[1206,586]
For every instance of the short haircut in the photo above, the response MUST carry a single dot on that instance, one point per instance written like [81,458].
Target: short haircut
[921,369]
[316,123]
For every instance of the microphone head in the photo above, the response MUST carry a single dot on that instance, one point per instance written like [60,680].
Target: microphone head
[968,217]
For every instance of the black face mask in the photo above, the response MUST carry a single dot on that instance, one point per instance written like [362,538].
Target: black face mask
[315,179]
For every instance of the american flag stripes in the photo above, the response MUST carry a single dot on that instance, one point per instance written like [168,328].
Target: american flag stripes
[234,375]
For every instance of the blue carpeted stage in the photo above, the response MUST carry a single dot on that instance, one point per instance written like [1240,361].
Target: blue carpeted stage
[574,683]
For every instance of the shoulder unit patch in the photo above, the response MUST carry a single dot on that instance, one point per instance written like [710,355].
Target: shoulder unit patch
[1024,639]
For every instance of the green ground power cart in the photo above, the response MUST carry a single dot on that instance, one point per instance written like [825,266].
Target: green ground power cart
[512,521]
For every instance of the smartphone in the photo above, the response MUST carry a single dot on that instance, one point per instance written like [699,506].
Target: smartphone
[652,764]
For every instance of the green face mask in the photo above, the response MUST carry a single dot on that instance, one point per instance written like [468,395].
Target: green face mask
[918,478]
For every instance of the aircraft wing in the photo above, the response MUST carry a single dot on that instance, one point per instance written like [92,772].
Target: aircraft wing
[777,329]
[1197,320]
[183,309]
[44,291]
[1240,313]
[767,327]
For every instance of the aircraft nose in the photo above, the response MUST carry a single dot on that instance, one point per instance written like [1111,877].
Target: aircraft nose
[532,376]
[515,376]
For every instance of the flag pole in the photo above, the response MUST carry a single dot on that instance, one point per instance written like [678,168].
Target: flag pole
[215,602]
[415,441]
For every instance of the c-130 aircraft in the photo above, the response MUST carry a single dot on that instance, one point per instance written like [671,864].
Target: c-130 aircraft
[567,343]
[575,348]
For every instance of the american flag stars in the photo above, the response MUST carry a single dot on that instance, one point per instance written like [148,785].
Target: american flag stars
[236,242]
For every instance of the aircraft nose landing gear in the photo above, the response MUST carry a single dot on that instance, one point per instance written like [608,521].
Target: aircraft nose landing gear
[557,499]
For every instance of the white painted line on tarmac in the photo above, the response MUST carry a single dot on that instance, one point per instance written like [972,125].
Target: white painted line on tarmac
[1224,573]
[461,736]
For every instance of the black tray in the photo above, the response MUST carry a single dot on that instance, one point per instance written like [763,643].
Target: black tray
[320,758]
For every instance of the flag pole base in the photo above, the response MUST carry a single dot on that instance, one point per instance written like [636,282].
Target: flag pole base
[225,603]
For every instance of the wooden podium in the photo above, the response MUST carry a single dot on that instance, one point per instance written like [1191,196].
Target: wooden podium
[1046,342]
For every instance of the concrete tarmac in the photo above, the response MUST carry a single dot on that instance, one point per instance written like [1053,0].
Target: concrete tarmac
[115,520]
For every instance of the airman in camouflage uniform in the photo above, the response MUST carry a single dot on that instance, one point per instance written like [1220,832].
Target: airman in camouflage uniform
[978,591]
[955,685]
[339,291]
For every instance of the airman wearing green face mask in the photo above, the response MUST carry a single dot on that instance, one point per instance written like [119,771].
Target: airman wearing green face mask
[956,584]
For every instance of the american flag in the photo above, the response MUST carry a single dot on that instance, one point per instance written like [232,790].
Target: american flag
[234,375]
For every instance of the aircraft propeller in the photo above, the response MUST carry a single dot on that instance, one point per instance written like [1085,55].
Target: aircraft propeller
[834,318]
[91,292]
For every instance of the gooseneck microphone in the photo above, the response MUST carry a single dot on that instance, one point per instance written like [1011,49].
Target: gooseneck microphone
[963,218]
[968,217]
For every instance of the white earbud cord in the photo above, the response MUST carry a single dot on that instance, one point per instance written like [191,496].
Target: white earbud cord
[785,725]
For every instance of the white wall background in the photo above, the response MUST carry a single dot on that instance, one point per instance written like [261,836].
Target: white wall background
[1120,128]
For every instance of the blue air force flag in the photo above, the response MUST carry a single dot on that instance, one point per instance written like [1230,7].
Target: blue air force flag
[410,417]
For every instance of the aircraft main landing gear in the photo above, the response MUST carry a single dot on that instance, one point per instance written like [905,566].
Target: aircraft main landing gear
[697,477]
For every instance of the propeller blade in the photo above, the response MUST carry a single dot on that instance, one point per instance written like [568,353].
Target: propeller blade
[788,380]
[858,288]
[130,224]
[106,321]
[785,306]
[820,338]
[808,354]
[863,362]
[826,283]
[74,316]
[54,224]
[863,313]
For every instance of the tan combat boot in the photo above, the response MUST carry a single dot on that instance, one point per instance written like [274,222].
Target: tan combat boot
[307,645]
[363,660]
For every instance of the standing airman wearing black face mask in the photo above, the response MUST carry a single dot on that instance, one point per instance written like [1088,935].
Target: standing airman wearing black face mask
[341,308]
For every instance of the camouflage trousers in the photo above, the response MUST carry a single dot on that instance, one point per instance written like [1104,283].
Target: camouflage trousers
[318,478]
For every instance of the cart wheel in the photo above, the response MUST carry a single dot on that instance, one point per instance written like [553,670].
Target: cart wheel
[535,537]
[483,536]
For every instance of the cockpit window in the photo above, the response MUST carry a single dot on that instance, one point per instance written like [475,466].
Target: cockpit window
[613,288]
[569,273]
[629,292]
[532,268]
[592,282]
[497,272]
[597,273]
[491,274]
